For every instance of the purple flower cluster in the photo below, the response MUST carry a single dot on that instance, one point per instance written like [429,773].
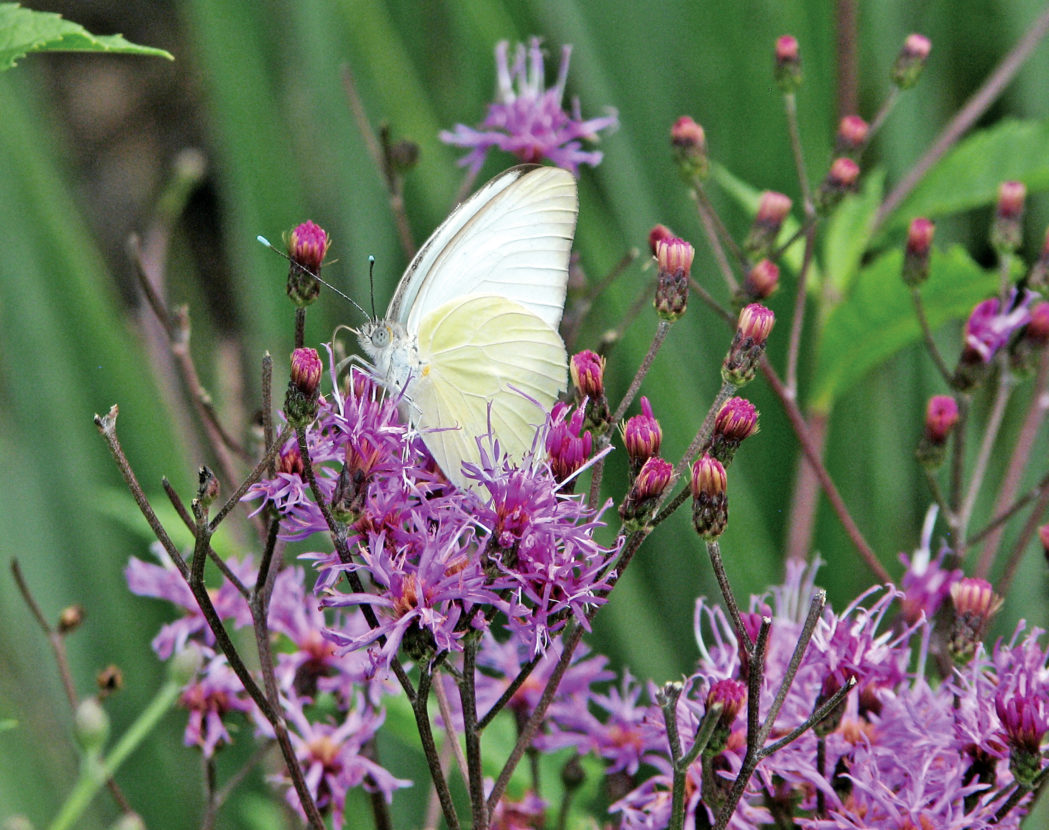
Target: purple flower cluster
[527,119]
[903,751]
[513,559]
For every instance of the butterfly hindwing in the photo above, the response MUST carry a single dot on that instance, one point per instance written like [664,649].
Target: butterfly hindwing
[476,351]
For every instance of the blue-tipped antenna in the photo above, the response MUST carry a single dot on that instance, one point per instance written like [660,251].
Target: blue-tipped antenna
[325,283]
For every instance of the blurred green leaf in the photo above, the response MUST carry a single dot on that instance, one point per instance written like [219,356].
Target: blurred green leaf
[23,31]
[847,232]
[878,320]
[969,175]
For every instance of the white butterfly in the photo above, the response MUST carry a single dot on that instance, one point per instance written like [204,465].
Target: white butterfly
[473,322]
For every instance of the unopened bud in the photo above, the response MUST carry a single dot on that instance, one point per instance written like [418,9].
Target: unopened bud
[748,344]
[207,486]
[760,282]
[70,619]
[1007,229]
[568,445]
[587,370]
[851,137]
[727,698]
[642,436]
[709,487]
[911,61]
[307,245]
[975,604]
[941,415]
[658,234]
[841,179]
[773,209]
[736,421]
[300,403]
[689,143]
[918,252]
[788,64]
[1024,715]
[674,259]
[91,725]
[645,491]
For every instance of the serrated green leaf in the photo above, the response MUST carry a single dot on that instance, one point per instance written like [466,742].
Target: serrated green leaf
[969,175]
[878,320]
[23,31]
[848,232]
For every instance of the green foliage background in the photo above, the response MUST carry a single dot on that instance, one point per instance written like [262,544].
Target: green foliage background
[256,86]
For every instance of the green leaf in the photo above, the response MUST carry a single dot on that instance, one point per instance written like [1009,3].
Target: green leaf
[23,31]
[848,232]
[969,175]
[879,320]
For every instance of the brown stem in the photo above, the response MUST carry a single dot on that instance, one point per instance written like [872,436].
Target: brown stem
[1018,461]
[805,499]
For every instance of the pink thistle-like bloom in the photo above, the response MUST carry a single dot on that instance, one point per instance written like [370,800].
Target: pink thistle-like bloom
[567,445]
[527,118]
[989,327]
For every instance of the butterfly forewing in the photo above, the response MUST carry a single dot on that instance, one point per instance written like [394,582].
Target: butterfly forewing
[512,238]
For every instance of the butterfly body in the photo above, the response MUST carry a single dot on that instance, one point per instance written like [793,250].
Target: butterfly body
[470,336]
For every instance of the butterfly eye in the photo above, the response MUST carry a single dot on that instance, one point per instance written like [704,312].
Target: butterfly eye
[381,337]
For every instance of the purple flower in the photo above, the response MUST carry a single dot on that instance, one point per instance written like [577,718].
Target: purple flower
[527,119]
[989,328]
[208,698]
[165,582]
[333,758]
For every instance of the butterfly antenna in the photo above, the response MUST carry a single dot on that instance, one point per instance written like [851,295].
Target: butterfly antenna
[323,282]
[371,284]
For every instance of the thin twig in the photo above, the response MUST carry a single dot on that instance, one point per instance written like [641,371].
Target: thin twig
[968,115]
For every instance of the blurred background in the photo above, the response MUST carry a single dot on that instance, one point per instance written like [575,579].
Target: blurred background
[89,149]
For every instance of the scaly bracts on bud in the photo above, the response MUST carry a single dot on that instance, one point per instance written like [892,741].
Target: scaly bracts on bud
[851,137]
[300,403]
[645,491]
[918,251]
[307,245]
[911,61]
[709,486]
[788,63]
[736,420]
[642,437]
[1007,228]
[941,415]
[689,143]
[842,178]
[748,344]
[587,370]
[773,209]
[674,260]
[975,603]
